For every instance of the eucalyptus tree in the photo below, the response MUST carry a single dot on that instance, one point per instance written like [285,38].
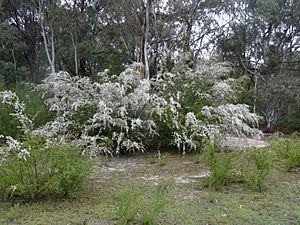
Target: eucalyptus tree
[262,41]
[21,17]
[47,19]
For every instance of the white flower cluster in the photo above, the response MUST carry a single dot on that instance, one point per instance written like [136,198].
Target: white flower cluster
[109,117]
[10,98]
[12,147]
[237,120]
[205,97]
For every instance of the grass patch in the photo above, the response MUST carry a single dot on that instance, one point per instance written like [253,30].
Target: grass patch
[165,158]
[221,166]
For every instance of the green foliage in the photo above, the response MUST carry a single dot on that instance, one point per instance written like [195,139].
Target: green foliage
[220,165]
[58,170]
[256,168]
[158,203]
[2,86]
[14,212]
[132,208]
[152,159]
[80,117]
[289,123]
[114,63]
[198,158]
[9,125]
[127,207]
[36,110]
[12,75]
[288,152]
[165,128]
[188,103]
[165,158]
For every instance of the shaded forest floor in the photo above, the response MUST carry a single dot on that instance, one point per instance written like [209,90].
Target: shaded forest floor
[187,202]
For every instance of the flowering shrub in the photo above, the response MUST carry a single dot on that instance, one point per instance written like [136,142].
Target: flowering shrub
[183,109]
[203,105]
[12,99]
[109,117]
[37,167]
[33,169]
[22,107]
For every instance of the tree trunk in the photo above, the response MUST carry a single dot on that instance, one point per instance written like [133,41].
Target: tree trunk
[33,70]
[31,59]
[14,59]
[255,93]
[75,53]
[53,52]
[187,38]
[147,72]
[142,57]
[51,58]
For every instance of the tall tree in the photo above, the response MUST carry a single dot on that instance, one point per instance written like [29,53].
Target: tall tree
[47,32]
[23,17]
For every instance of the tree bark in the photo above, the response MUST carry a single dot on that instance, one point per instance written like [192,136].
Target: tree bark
[75,53]
[51,58]
[147,72]
[142,52]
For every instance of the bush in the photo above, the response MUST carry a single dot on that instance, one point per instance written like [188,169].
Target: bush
[165,158]
[9,125]
[11,75]
[288,152]
[152,159]
[132,209]
[34,108]
[256,168]
[181,110]
[30,170]
[158,202]
[220,165]
[127,207]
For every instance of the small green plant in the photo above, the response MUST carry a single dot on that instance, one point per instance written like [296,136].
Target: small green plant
[57,170]
[157,204]
[132,208]
[290,153]
[220,166]
[164,159]
[152,159]
[14,212]
[211,198]
[128,207]
[286,152]
[257,168]
[198,158]
[293,159]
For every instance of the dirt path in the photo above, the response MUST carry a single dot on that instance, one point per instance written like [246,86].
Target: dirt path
[181,169]
[234,143]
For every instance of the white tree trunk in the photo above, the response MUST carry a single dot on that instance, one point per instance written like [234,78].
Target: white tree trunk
[255,93]
[53,52]
[75,52]
[147,72]
[14,59]
[50,57]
